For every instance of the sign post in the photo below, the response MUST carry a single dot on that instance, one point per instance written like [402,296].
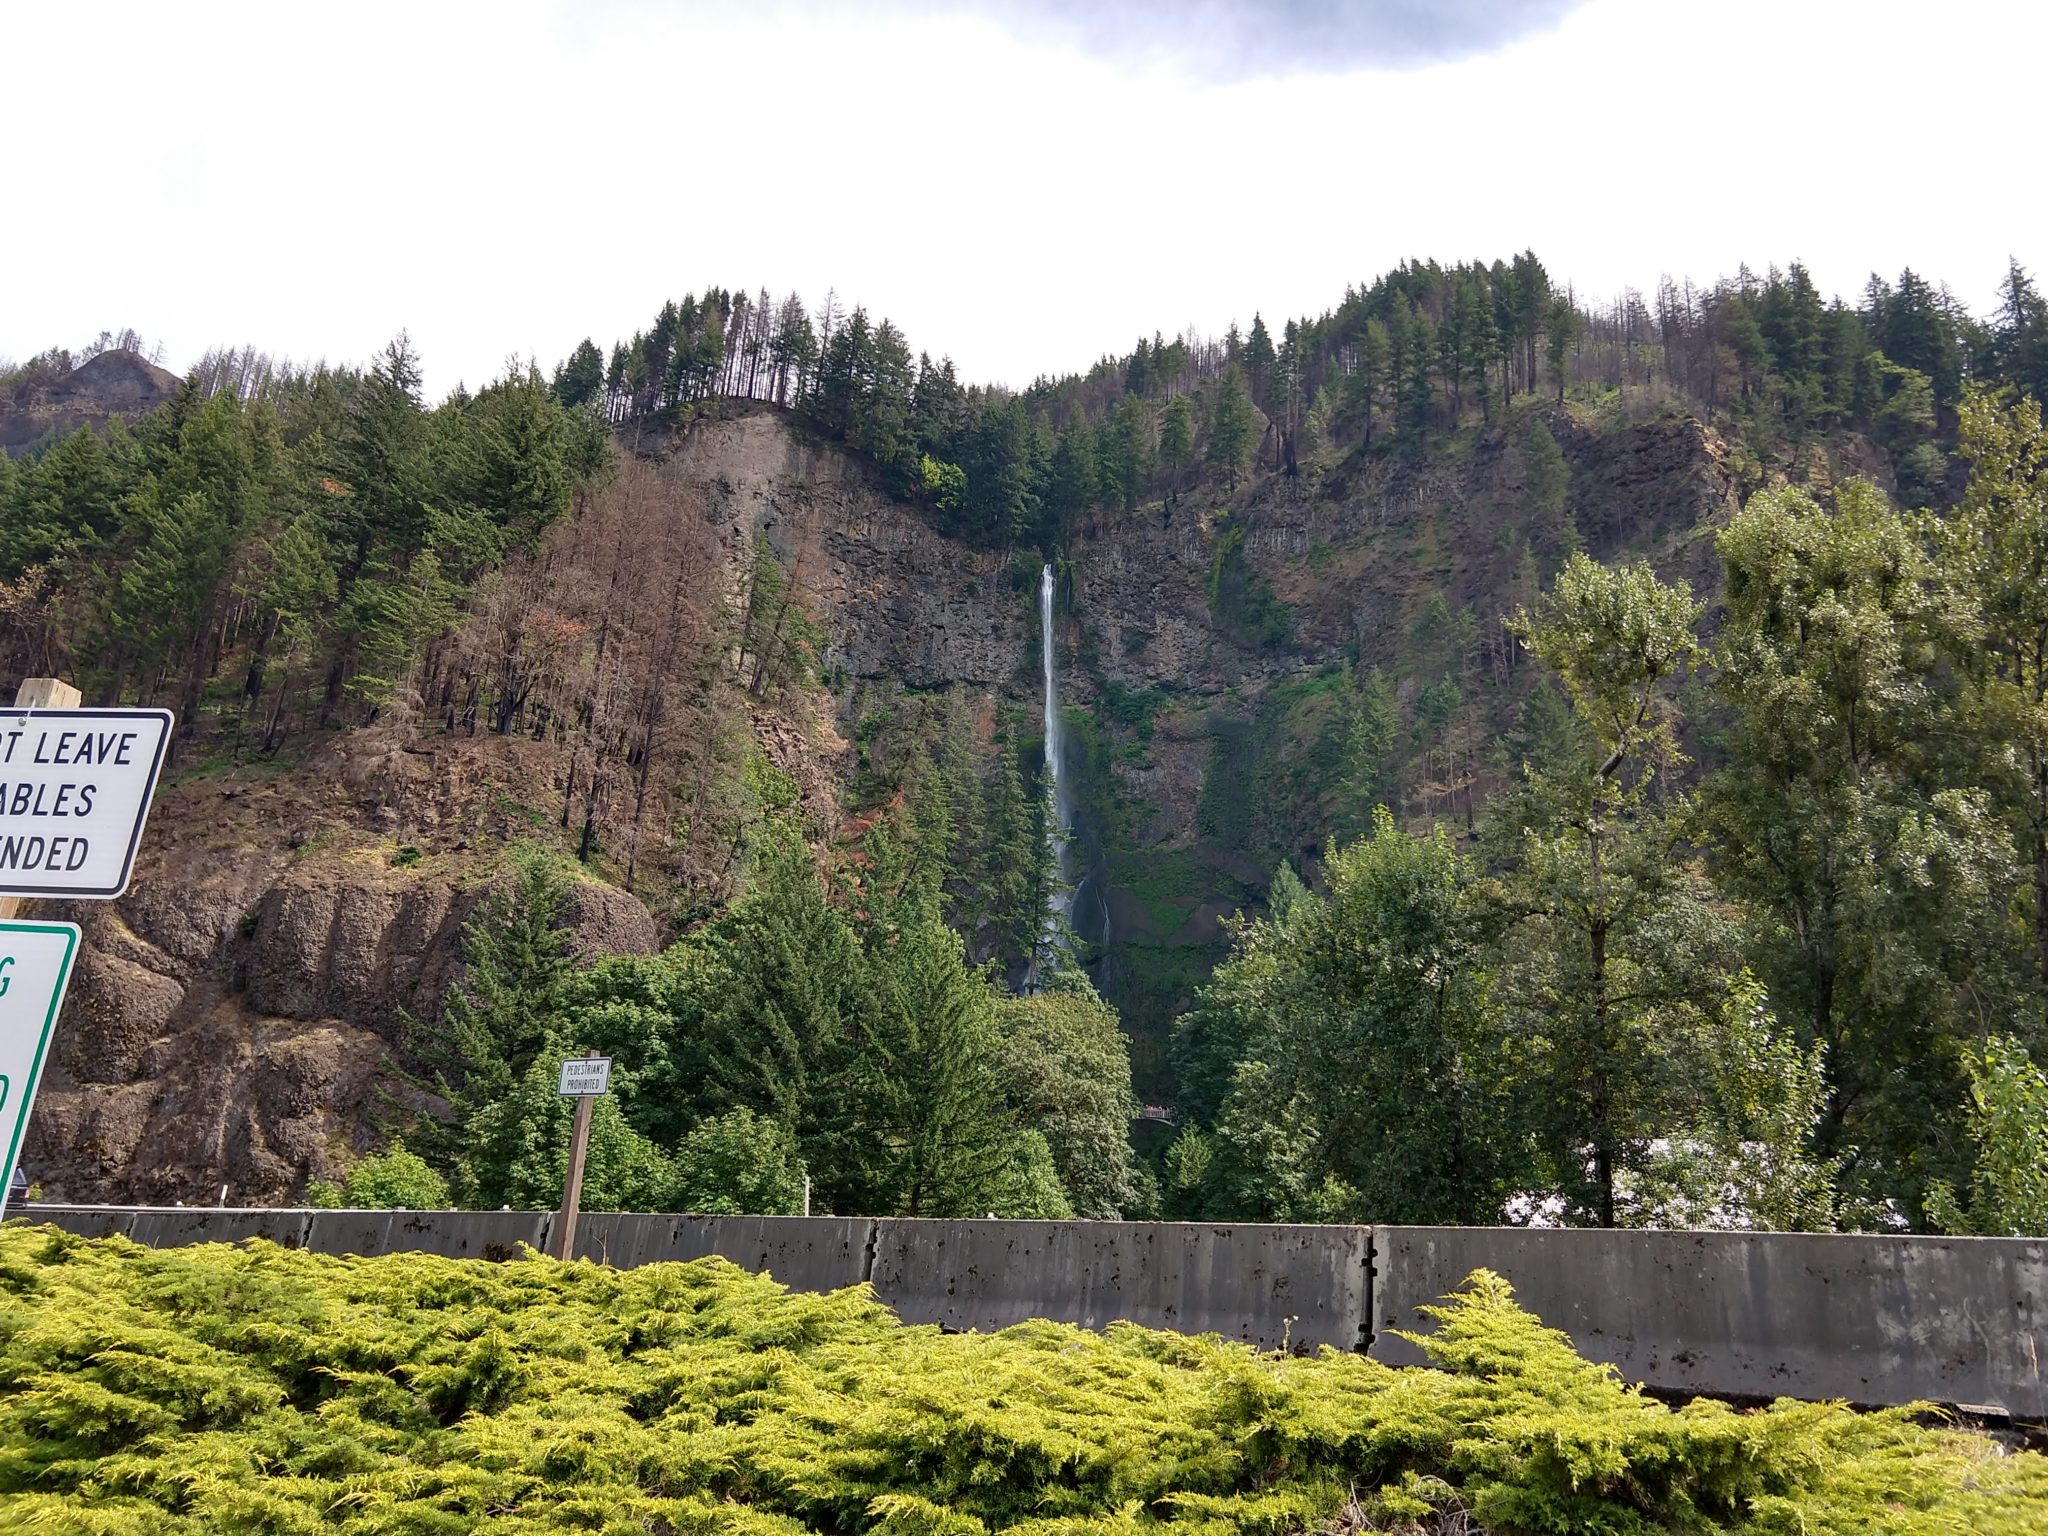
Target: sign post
[584,1079]
[75,787]
[35,965]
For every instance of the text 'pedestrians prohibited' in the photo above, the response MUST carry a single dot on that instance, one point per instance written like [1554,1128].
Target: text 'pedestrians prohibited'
[35,963]
[75,786]
[585,1077]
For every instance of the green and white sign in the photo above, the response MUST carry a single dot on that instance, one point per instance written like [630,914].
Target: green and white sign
[35,964]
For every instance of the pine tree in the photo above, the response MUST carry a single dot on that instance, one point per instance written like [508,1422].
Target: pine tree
[1072,479]
[580,378]
[1560,330]
[1375,367]
[1258,360]
[1372,721]
[2020,334]
[1232,426]
[498,1020]
[1176,441]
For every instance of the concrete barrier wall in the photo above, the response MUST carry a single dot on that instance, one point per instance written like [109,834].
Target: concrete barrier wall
[806,1253]
[1266,1285]
[1764,1314]
[1871,1319]
[452,1234]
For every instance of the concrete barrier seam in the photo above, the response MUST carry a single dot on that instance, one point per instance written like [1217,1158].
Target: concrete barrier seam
[1371,1296]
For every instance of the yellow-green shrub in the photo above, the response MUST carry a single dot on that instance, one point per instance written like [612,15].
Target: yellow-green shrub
[255,1389]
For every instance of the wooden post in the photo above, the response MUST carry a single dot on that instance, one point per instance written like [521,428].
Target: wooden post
[46,693]
[572,1182]
[39,693]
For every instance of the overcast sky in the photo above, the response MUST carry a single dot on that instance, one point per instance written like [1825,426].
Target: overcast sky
[1025,184]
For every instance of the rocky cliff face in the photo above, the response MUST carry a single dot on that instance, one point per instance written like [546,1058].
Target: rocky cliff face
[114,383]
[235,1018]
[900,601]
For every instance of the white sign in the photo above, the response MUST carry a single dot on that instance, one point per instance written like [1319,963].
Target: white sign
[74,792]
[35,963]
[585,1077]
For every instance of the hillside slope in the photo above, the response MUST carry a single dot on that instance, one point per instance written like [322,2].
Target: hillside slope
[239,1017]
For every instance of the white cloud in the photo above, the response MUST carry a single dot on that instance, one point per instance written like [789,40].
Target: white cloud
[508,177]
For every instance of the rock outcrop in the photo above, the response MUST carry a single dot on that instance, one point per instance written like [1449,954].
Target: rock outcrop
[115,383]
[237,1018]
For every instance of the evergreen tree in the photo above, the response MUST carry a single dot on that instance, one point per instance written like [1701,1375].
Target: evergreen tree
[1176,442]
[2020,334]
[1416,384]
[1071,482]
[1232,427]
[1372,723]
[1375,366]
[782,989]
[497,1022]
[1258,361]
[1126,454]
[516,1150]
[580,378]
[1560,330]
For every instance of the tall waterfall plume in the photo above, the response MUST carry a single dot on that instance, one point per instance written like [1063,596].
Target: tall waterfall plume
[1059,908]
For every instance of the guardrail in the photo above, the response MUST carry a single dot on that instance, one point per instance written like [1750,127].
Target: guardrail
[1875,1320]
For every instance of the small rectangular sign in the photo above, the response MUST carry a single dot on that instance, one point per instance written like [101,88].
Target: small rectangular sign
[75,786]
[585,1077]
[35,965]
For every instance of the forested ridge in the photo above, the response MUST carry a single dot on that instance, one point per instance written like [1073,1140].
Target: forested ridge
[1717,906]
[1412,355]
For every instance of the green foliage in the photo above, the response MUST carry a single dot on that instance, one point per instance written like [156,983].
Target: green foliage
[739,1164]
[518,1150]
[821,1026]
[502,1017]
[395,1178]
[944,484]
[2008,1192]
[1233,426]
[1371,726]
[1067,1075]
[1340,1051]
[1241,601]
[1614,963]
[255,1388]
[313,538]
[1878,881]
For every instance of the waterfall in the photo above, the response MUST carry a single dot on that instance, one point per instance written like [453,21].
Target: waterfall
[1059,910]
[1054,742]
